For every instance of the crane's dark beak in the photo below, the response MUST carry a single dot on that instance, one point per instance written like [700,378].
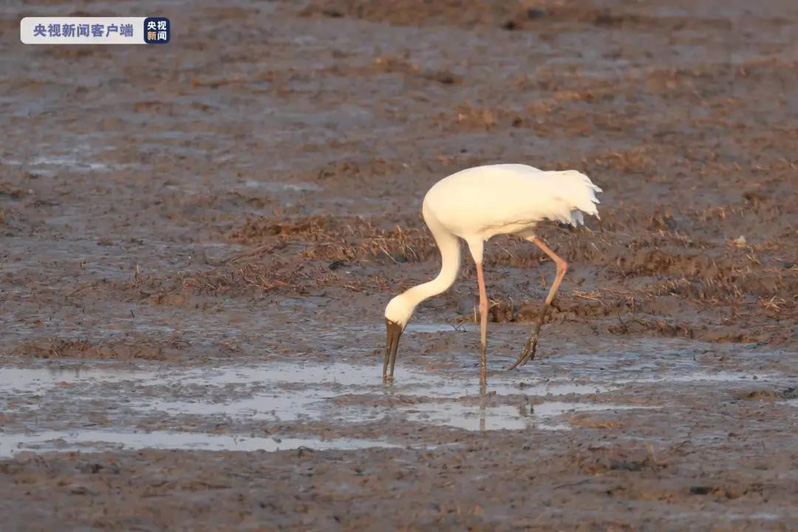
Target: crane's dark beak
[391,345]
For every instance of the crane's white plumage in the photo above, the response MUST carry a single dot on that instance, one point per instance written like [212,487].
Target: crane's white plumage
[478,203]
[509,198]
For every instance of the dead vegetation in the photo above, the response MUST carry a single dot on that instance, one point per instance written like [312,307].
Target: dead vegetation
[661,272]
[254,275]
[509,15]
[284,277]
[357,169]
[548,118]
[417,12]
[10,191]
[644,269]
[124,349]
[344,239]
[393,64]
[603,460]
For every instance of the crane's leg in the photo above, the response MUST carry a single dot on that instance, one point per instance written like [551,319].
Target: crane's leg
[483,318]
[532,343]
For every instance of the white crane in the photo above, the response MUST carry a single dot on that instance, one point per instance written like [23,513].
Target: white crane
[476,204]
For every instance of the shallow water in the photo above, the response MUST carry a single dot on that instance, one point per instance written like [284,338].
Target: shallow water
[277,186]
[98,440]
[47,407]
[701,377]
[272,393]
[542,416]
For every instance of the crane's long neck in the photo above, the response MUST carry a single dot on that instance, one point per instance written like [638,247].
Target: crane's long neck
[450,262]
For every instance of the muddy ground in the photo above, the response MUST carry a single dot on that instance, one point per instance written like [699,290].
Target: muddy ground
[197,242]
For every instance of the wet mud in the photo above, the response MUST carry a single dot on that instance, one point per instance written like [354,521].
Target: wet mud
[197,243]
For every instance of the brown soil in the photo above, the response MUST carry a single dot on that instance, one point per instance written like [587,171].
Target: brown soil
[252,191]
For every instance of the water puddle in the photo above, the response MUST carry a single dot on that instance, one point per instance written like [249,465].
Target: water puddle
[98,440]
[276,407]
[276,186]
[505,385]
[439,327]
[73,163]
[43,404]
[700,377]
[543,416]
[40,380]
[275,392]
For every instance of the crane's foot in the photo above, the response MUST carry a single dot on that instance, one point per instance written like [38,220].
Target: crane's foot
[528,353]
[532,343]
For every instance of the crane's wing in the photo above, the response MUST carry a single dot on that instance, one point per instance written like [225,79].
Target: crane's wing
[510,197]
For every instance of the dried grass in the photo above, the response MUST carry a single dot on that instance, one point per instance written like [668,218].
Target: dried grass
[110,350]
[351,239]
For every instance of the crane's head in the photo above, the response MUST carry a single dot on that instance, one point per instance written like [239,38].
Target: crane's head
[397,314]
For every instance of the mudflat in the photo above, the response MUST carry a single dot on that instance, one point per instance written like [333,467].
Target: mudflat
[197,242]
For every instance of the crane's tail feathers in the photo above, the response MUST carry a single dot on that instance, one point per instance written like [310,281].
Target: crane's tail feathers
[581,196]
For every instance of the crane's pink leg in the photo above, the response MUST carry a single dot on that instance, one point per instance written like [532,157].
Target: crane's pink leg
[483,315]
[532,343]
